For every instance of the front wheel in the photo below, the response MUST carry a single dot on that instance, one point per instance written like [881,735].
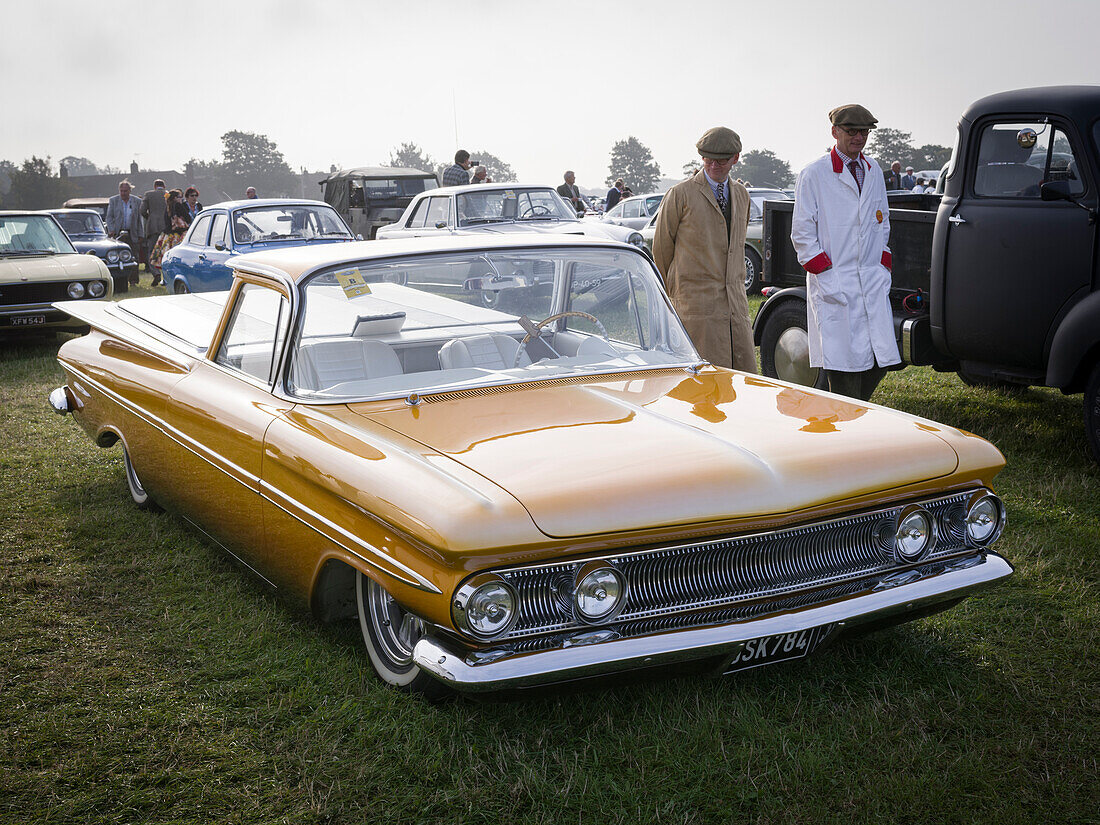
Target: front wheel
[179,287]
[390,633]
[785,347]
[754,268]
[1092,412]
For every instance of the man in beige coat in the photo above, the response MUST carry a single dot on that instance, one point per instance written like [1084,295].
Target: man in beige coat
[699,248]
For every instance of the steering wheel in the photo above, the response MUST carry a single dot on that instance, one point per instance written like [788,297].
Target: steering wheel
[535,211]
[555,317]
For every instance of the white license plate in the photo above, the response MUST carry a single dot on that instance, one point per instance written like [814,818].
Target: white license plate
[27,320]
[781,647]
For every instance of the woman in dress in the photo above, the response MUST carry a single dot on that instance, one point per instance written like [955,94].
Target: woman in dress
[179,218]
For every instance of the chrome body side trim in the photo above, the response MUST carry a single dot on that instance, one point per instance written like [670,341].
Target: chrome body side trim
[882,599]
[367,553]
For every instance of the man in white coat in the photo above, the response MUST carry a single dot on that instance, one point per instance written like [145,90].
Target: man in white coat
[840,230]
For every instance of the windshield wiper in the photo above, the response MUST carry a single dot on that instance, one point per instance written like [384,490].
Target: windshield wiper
[30,252]
[471,221]
[541,218]
[330,235]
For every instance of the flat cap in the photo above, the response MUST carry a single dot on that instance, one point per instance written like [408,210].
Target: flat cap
[719,143]
[852,115]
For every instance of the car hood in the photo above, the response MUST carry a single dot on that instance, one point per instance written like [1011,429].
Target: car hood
[63,267]
[671,448]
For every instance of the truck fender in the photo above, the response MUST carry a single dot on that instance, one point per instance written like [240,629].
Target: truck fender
[775,300]
[1076,346]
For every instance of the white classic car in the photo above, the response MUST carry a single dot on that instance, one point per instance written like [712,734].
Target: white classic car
[498,209]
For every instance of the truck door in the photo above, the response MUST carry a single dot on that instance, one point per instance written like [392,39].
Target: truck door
[1013,263]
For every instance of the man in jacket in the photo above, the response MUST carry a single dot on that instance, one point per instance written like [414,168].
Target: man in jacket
[124,215]
[893,177]
[571,194]
[840,230]
[154,212]
[458,173]
[614,195]
[908,180]
[699,248]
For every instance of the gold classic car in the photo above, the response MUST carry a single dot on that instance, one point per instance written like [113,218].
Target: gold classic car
[545,486]
[38,266]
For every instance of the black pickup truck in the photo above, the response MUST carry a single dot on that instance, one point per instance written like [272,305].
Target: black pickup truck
[997,278]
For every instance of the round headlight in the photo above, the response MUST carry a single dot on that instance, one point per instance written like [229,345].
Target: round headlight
[112,256]
[600,592]
[984,519]
[485,606]
[636,239]
[76,290]
[914,536]
[97,289]
[125,255]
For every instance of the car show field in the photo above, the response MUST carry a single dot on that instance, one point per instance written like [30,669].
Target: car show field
[149,678]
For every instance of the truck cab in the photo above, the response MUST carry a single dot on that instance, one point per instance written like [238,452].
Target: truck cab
[368,197]
[998,278]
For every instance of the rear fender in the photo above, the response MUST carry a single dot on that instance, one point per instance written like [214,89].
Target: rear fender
[1076,346]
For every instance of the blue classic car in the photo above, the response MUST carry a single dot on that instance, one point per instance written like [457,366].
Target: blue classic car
[86,230]
[203,261]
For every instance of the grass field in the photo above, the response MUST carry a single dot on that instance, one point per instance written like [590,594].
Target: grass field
[147,679]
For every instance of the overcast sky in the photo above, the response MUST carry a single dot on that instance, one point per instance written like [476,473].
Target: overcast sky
[544,86]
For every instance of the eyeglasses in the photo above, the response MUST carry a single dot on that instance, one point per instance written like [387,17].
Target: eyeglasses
[854,132]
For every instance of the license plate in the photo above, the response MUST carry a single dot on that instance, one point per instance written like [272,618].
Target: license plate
[27,320]
[782,647]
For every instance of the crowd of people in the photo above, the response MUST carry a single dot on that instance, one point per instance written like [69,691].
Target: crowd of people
[153,223]
[908,182]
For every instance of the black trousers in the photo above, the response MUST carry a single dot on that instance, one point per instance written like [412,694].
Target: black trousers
[855,384]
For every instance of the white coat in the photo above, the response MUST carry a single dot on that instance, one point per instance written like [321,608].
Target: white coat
[840,235]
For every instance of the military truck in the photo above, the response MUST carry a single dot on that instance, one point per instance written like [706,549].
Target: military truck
[368,197]
[1000,280]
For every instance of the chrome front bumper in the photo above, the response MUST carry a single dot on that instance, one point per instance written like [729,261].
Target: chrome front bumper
[886,599]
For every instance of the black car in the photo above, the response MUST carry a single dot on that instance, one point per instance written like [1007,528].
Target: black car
[86,230]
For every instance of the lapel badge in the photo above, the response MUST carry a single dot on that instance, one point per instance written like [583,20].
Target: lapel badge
[878,215]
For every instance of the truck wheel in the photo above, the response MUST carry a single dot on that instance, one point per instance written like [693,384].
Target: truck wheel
[1092,412]
[754,268]
[785,347]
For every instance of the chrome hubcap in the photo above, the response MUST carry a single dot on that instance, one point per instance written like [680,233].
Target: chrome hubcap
[397,630]
[792,358]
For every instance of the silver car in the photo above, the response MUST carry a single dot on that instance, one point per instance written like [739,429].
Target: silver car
[634,212]
[497,209]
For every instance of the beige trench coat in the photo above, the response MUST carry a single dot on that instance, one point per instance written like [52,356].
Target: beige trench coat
[704,270]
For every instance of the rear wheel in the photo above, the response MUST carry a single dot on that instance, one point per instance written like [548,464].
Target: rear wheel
[390,633]
[137,492]
[1092,412]
[179,287]
[754,268]
[785,347]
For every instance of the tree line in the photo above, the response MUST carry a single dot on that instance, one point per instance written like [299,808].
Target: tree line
[250,159]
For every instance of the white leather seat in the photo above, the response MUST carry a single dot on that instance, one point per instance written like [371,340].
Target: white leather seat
[496,352]
[328,363]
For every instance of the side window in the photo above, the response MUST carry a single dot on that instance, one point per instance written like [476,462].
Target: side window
[199,230]
[439,211]
[217,234]
[632,209]
[1015,159]
[651,205]
[617,212]
[256,332]
[419,215]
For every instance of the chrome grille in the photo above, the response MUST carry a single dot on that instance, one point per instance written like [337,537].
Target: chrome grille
[727,573]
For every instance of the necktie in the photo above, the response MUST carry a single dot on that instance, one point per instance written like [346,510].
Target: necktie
[720,195]
[853,167]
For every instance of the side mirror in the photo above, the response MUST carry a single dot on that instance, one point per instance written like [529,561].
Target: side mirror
[440,224]
[220,246]
[1055,190]
[358,236]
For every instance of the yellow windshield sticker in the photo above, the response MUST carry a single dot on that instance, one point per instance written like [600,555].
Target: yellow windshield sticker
[352,282]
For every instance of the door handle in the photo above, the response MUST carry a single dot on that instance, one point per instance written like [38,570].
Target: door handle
[956,219]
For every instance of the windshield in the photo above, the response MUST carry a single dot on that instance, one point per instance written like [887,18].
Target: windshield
[496,205]
[81,223]
[287,222]
[756,202]
[435,323]
[32,235]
